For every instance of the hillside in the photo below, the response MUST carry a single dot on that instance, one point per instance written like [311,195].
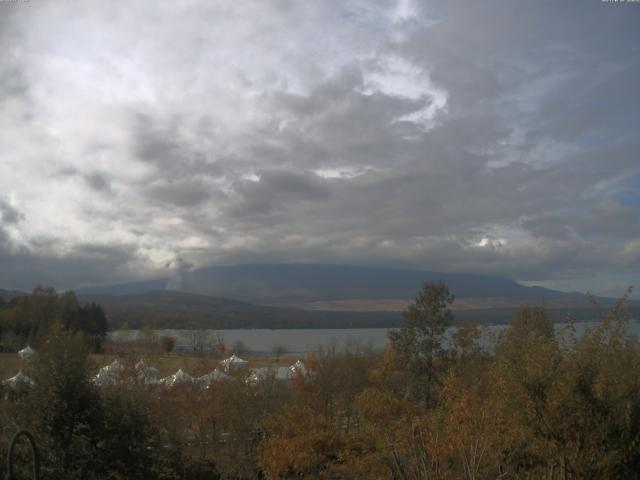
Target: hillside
[290,283]
[9,294]
[171,309]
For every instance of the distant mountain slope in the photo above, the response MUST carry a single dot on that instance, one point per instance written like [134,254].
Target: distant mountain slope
[176,310]
[9,294]
[171,309]
[130,288]
[289,283]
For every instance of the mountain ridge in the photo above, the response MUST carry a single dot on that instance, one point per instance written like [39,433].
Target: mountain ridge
[297,282]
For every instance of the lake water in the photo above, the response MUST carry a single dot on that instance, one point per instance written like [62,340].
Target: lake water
[304,340]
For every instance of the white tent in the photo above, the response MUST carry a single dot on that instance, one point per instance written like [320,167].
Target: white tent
[211,377]
[26,353]
[257,375]
[282,373]
[109,374]
[260,374]
[179,377]
[18,379]
[146,373]
[141,365]
[115,366]
[298,368]
[232,361]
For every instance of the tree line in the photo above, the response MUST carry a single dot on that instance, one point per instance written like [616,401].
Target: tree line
[539,404]
[28,319]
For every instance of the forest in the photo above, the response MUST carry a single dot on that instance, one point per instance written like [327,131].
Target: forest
[29,318]
[538,404]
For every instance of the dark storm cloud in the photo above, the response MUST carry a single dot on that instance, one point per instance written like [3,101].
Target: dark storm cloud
[276,190]
[492,137]
[86,264]
[159,143]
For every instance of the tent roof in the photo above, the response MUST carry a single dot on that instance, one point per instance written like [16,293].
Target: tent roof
[235,359]
[212,377]
[179,377]
[18,378]
[298,368]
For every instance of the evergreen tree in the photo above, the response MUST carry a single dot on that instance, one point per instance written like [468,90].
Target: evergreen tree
[419,341]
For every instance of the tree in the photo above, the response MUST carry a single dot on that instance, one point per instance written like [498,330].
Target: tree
[279,350]
[167,343]
[63,409]
[239,347]
[30,318]
[465,339]
[419,341]
[90,433]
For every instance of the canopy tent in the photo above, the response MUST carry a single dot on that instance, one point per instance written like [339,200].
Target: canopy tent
[146,373]
[179,377]
[262,373]
[26,353]
[298,368]
[257,375]
[109,374]
[18,380]
[214,376]
[232,361]
[115,366]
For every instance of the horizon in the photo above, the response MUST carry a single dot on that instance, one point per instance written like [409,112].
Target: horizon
[175,283]
[142,141]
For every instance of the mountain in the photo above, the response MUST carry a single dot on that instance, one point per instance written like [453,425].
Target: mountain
[315,296]
[176,310]
[9,294]
[171,309]
[131,288]
[294,283]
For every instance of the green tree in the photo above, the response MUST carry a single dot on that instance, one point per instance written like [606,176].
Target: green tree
[63,409]
[239,347]
[167,343]
[87,433]
[29,318]
[419,341]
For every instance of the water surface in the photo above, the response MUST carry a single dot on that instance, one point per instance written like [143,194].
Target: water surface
[305,340]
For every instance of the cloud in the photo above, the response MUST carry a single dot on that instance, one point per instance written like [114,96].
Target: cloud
[179,193]
[8,213]
[490,137]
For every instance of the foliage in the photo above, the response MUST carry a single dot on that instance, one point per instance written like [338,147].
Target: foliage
[239,347]
[28,319]
[537,404]
[84,432]
[167,343]
[419,341]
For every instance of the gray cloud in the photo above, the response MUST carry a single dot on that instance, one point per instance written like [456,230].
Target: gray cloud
[490,138]
[87,264]
[276,190]
[179,193]
[8,213]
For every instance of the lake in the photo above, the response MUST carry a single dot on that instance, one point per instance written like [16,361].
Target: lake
[260,341]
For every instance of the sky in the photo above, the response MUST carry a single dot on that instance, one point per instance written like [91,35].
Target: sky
[142,138]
